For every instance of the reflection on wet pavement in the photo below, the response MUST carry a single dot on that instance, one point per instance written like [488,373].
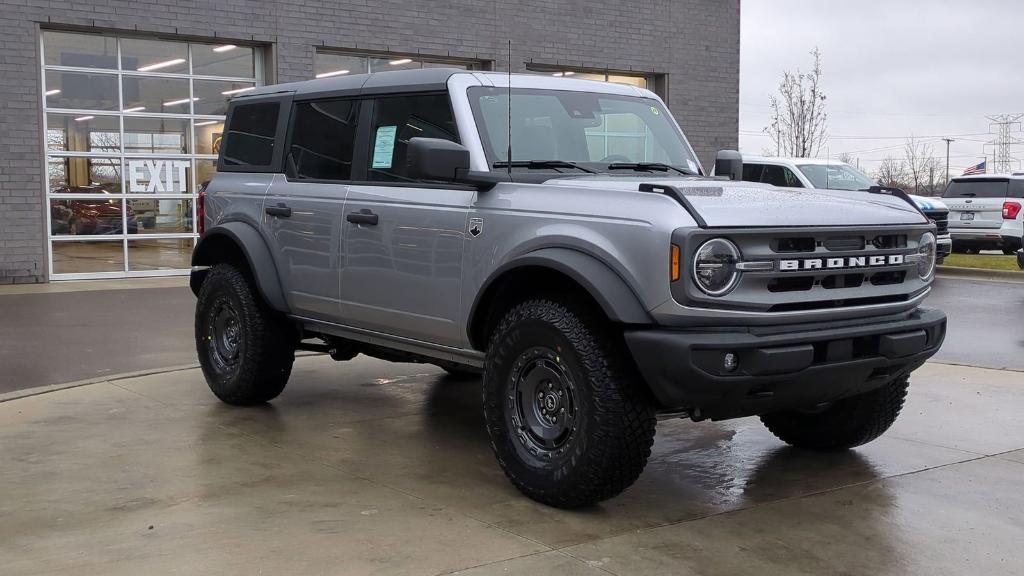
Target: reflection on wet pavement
[368,467]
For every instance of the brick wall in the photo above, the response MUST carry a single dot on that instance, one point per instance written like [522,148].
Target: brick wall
[694,42]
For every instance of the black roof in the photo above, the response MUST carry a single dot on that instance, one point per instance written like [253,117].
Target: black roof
[418,80]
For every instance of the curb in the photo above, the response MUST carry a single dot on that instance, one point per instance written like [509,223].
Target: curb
[36,391]
[980,274]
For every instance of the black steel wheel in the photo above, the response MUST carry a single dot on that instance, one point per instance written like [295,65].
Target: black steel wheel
[569,417]
[245,349]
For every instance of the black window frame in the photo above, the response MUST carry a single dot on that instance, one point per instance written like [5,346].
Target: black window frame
[280,130]
[359,151]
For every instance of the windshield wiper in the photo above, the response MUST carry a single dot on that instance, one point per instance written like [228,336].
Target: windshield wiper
[541,164]
[648,166]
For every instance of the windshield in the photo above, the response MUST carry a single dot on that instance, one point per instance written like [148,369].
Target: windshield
[837,176]
[976,189]
[591,130]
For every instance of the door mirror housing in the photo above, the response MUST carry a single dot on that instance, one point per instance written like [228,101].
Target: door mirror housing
[729,163]
[446,161]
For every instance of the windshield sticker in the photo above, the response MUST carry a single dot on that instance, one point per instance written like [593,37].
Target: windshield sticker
[655,111]
[384,146]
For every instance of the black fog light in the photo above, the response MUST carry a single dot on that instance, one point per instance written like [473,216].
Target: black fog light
[730,362]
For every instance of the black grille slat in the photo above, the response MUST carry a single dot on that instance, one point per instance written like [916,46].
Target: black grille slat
[940,218]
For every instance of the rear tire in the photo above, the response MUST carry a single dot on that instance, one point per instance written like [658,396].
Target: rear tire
[569,419]
[845,423]
[245,348]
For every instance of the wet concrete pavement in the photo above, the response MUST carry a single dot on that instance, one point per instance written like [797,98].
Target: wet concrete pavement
[986,322]
[367,467]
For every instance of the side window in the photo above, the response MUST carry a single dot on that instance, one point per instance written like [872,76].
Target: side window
[752,172]
[774,175]
[323,136]
[791,179]
[249,138]
[396,120]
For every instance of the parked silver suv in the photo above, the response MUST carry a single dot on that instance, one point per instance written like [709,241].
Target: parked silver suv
[558,236]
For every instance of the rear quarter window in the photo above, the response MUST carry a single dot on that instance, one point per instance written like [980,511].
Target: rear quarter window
[250,135]
[976,188]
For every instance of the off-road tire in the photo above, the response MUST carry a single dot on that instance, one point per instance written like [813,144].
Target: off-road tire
[265,340]
[614,420]
[845,423]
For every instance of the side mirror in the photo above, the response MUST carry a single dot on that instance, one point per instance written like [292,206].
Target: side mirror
[436,159]
[729,163]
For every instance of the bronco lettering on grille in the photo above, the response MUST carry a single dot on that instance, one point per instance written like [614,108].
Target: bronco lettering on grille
[840,263]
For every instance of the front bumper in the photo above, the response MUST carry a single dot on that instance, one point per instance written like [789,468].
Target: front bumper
[944,246]
[781,367]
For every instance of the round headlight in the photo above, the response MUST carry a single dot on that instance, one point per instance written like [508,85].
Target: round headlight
[714,266]
[926,250]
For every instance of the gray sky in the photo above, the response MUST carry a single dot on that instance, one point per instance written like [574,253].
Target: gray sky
[891,69]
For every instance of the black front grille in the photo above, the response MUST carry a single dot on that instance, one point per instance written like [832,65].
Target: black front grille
[940,218]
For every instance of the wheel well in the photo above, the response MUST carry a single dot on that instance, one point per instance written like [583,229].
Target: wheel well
[218,249]
[518,285]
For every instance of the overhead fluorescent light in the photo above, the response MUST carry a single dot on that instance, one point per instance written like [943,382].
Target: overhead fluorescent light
[84,118]
[400,61]
[238,90]
[160,65]
[207,122]
[225,48]
[135,109]
[557,73]
[182,101]
[329,74]
[568,73]
[52,92]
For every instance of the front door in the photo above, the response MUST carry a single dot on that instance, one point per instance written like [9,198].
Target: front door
[404,239]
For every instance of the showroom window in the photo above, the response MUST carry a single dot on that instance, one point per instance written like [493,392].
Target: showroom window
[132,128]
[327,64]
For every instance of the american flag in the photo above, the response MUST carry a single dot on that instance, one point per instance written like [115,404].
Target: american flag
[976,169]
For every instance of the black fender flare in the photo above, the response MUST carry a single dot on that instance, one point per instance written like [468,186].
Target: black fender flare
[250,242]
[618,301]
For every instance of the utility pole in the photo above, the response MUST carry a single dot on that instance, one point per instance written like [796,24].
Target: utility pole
[948,142]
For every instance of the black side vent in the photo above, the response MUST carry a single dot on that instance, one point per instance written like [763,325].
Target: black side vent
[840,243]
[890,241]
[787,245]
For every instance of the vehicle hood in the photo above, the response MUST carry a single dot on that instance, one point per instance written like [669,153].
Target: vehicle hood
[724,203]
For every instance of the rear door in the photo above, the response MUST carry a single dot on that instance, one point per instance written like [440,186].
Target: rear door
[304,207]
[404,238]
[976,203]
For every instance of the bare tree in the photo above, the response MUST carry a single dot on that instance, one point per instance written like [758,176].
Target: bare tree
[922,166]
[847,158]
[798,117]
[892,172]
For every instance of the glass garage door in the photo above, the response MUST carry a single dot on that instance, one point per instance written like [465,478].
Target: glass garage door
[132,129]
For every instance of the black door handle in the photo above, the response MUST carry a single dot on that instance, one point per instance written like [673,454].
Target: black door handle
[364,216]
[282,210]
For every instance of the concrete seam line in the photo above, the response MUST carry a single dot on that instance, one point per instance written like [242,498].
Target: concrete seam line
[38,390]
[975,366]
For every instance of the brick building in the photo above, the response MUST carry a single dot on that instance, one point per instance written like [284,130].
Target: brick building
[111,110]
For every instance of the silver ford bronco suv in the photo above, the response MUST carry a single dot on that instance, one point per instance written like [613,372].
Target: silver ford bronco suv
[559,237]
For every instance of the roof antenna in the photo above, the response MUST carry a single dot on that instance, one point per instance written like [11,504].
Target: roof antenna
[508,155]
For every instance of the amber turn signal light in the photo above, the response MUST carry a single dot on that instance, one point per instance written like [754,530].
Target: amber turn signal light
[674,264]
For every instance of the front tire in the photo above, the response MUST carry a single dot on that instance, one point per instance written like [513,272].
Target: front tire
[845,423]
[245,348]
[566,411]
